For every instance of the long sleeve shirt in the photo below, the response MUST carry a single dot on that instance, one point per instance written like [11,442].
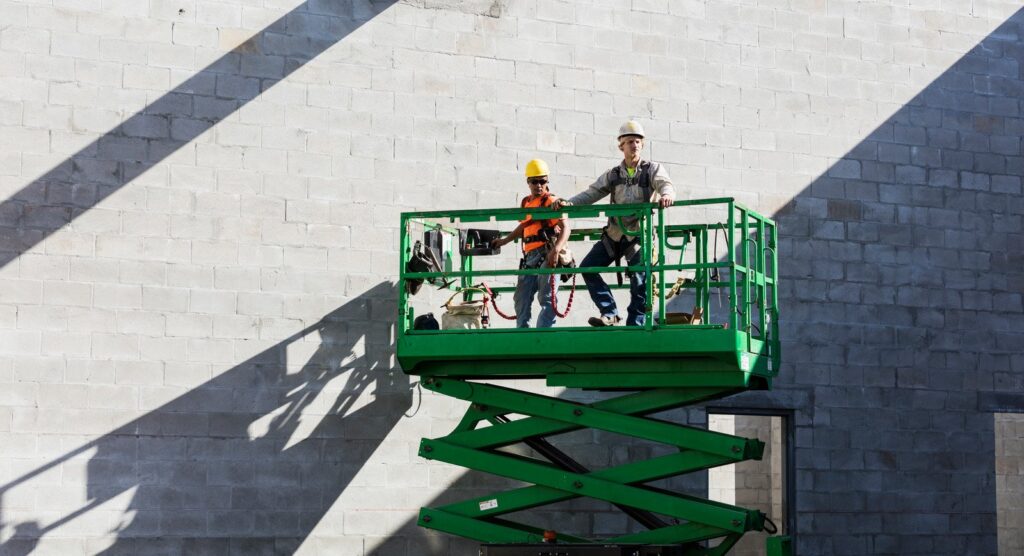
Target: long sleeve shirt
[661,185]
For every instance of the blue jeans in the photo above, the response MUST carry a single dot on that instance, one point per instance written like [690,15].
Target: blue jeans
[602,294]
[540,285]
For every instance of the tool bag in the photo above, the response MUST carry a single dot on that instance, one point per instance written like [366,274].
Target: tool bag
[565,260]
[461,315]
[420,261]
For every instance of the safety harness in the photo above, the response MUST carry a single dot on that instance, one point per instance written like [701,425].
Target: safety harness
[540,230]
[644,179]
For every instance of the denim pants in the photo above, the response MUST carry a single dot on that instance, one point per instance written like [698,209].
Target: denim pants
[601,294]
[540,285]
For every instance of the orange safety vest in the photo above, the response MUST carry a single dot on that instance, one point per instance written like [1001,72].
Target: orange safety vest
[535,233]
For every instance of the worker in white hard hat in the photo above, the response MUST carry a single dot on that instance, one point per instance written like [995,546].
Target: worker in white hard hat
[543,240]
[633,181]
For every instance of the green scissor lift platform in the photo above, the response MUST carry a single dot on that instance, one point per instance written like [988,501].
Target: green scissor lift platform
[654,368]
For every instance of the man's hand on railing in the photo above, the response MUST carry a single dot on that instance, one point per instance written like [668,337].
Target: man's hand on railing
[666,201]
[557,203]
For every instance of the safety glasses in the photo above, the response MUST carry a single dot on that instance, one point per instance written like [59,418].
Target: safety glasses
[537,181]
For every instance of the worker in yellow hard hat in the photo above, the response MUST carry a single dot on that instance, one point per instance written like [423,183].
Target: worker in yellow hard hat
[634,180]
[543,240]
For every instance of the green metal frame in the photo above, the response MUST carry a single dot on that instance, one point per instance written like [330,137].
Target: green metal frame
[666,366]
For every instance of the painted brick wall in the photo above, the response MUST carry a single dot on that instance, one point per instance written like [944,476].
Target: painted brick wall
[198,246]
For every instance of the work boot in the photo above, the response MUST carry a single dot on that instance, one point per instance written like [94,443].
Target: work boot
[605,320]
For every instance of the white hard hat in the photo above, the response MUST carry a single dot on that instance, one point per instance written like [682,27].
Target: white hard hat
[631,128]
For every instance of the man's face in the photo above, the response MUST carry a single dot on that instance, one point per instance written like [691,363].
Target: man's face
[538,185]
[631,145]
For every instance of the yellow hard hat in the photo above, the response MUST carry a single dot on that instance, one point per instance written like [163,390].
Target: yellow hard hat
[536,167]
[631,128]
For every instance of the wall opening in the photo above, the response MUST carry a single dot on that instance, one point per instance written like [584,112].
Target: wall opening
[765,485]
[1009,429]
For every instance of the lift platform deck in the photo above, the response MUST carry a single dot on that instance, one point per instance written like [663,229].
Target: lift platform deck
[723,268]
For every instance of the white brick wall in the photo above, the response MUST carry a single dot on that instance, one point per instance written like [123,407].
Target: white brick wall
[172,312]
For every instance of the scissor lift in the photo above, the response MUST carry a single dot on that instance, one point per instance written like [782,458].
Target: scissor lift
[657,367]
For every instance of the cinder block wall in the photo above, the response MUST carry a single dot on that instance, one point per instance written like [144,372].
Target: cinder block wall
[198,245]
[758,484]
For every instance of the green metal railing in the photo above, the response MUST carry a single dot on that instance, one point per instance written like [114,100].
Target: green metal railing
[747,271]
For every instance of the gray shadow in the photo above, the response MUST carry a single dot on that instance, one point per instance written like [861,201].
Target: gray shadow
[203,485]
[902,269]
[172,121]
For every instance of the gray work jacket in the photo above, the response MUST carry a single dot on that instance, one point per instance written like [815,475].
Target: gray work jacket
[661,184]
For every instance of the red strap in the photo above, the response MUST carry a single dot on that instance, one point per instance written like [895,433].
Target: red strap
[495,304]
[554,298]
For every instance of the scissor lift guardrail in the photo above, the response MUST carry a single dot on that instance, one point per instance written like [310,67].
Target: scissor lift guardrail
[658,367]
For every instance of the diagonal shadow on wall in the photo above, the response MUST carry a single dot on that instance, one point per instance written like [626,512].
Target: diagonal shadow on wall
[902,269]
[203,480]
[171,122]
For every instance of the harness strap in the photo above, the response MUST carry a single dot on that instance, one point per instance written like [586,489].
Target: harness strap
[644,178]
[543,200]
[617,252]
[543,236]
